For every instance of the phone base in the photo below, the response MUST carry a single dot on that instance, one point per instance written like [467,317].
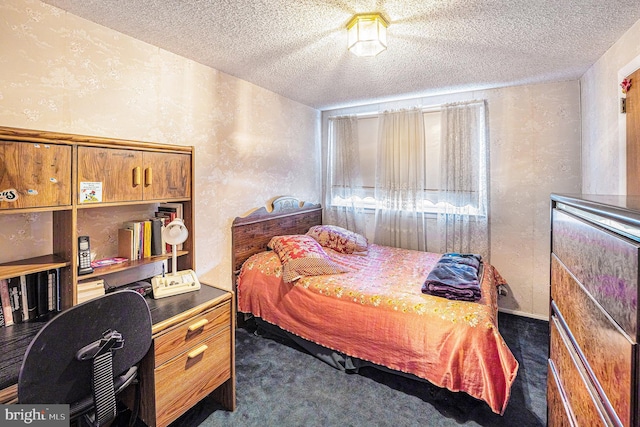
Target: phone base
[174,284]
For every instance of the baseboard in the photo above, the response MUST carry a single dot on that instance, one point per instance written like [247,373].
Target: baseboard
[524,314]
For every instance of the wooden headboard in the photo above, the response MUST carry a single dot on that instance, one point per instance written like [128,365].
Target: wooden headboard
[285,215]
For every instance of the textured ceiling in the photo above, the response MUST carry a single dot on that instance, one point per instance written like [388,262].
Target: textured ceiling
[297,48]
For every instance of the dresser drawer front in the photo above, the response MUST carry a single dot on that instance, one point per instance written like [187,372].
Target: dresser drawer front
[559,413]
[181,338]
[580,394]
[607,350]
[185,380]
[605,264]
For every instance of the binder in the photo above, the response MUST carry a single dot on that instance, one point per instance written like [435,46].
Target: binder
[32,296]
[51,290]
[42,290]
[6,302]
[15,297]
[156,236]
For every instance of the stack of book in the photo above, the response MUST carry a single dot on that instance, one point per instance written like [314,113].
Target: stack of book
[29,296]
[90,290]
[139,239]
[168,212]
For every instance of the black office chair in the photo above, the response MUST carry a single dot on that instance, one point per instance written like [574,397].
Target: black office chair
[86,355]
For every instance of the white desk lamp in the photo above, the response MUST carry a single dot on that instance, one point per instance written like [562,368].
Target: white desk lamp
[176,282]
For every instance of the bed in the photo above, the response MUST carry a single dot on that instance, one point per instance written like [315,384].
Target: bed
[374,311]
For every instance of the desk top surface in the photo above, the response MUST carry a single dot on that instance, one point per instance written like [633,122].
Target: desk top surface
[165,312]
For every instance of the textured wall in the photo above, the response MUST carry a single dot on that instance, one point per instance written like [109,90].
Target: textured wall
[534,143]
[603,127]
[61,73]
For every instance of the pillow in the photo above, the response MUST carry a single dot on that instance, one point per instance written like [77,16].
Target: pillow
[300,256]
[339,239]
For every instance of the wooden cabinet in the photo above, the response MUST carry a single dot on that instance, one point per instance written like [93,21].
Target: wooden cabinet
[34,175]
[117,171]
[131,175]
[189,360]
[594,365]
[167,176]
[45,171]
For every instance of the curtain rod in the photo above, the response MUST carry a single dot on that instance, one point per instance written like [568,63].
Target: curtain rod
[429,109]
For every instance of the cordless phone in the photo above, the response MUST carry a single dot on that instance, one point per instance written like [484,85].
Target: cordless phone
[84,256]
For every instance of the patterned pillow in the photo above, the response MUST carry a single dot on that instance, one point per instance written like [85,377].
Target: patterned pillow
[300,256]
[339,239]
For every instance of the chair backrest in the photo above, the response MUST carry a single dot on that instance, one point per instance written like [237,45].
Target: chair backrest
[52,374]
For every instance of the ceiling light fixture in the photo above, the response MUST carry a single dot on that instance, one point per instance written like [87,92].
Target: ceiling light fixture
[367,34]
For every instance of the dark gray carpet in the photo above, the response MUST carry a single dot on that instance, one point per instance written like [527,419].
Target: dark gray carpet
[280,385]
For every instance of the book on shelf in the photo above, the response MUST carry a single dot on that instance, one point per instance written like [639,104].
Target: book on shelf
[52,290]
[30,296]
[141,236]
[24,301]
[166,218]
[137,237]
[176,208]
[42,293]
[58,299]
[157,225]
[146,239]
[170,211]
[15,297]
[140,239]
[5,300]
[126,244]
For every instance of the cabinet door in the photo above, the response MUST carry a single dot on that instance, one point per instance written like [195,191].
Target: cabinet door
[167,176]
[34,175]
[109,175]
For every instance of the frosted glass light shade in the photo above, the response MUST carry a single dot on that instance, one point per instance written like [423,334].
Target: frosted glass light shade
[367,34]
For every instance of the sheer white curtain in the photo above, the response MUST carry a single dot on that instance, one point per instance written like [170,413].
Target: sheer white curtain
[343,187]
[463,221]
[400,180]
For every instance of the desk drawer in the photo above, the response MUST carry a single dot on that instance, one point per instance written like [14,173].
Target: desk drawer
[605,264]
[181,338]
[580,393]
[185,380]
[608,351]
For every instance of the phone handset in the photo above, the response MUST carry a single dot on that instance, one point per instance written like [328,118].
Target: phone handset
[84,256]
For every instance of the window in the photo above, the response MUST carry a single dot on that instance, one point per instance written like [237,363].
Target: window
[368,148]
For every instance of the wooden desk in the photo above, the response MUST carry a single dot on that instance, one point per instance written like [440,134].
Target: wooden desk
[179,329]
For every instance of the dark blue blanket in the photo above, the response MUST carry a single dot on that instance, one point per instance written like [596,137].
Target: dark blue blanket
[455,276]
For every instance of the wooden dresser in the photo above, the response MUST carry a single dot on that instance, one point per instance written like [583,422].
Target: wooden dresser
[594,367]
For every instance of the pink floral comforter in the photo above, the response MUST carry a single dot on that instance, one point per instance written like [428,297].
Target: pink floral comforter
[378,313]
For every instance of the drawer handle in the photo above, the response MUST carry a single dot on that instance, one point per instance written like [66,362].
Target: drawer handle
[136,176]
[199,324]
[148,176]
[197,352]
